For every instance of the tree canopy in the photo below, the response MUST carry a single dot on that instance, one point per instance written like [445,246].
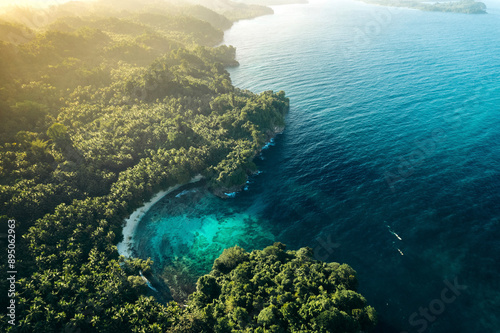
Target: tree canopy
[273,290]
[97,114]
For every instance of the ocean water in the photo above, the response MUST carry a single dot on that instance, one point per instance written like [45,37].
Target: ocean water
[390,161]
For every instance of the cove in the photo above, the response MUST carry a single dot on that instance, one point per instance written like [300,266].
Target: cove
[362,108]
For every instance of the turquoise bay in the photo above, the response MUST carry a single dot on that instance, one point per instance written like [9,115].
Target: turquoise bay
[389,161]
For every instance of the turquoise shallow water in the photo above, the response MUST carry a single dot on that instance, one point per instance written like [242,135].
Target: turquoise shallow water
[389,162]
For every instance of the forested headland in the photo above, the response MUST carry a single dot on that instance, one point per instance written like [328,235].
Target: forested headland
[102,105]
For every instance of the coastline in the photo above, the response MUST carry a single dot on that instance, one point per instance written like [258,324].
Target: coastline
[128,231]
[125,246]
[230,192]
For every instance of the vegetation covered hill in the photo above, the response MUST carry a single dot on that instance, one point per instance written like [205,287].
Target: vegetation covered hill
[98,112]
[233,10]
[274,290]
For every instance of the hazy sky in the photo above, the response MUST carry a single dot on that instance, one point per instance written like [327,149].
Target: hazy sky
[37,3]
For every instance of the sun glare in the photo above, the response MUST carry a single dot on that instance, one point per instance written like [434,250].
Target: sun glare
[31,3]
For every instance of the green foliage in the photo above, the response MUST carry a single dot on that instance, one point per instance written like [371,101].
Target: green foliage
[207,286]
[96,118]
[274,290]
[99,113]
[204,14]
[269,316]
[229,260]
[240,11]
[27,114]
[463,6]
[57,132]
[15,33]
[95,297]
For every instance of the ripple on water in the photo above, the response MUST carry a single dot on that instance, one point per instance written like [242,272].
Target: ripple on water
[358,109]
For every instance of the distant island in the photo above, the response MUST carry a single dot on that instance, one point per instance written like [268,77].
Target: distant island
[463,6]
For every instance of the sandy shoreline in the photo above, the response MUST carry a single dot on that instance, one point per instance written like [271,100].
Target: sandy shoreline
[128,231]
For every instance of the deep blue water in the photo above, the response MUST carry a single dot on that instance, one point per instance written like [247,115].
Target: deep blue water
[389,161]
